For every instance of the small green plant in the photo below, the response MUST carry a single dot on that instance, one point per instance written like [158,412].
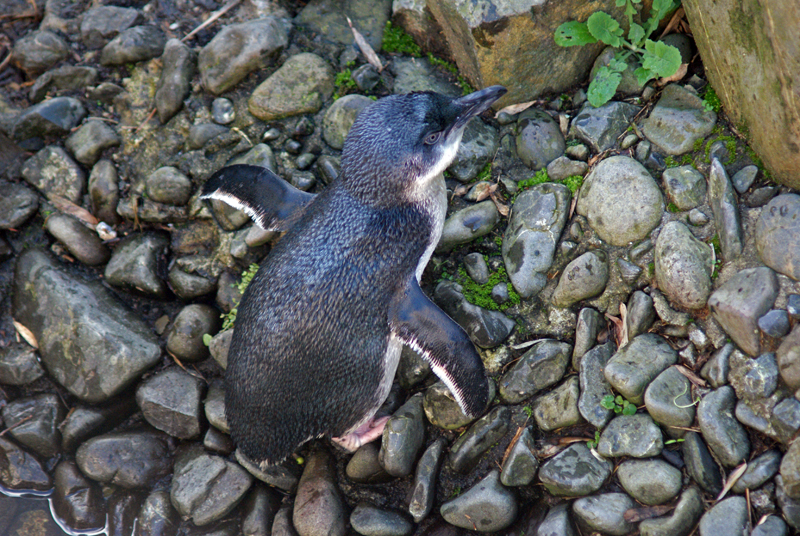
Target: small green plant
[528,411]
[711,100]
[673,441]
[229,318]
[395,39]
[573,182]
[435,60]
[672,207]
[456,492]
[486,173]
[344,82]
[481,295]
[618,404]
[657,59]
[539,177]
[592,444]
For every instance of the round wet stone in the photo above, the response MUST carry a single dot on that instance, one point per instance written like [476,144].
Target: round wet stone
[631,435]
[605,513]
[519,468]
[635,365]
[726,517]
[127,459]
[574,472]
[423,490]
[683,519]
[668,401]
[487,506]
[481,436]
[583,278]
[724,434]
[185,337]
[650,481]
[403,437]
[758,471]
[368,520]
[540,367]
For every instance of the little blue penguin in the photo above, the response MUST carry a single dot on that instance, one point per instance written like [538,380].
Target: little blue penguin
[319,329]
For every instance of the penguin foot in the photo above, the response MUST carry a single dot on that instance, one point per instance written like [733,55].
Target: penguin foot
[370,431]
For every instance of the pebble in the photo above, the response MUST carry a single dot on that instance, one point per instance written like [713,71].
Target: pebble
[788,356]
[423,490]
[683,266]
[728,516]
[319,509]
[650,481]
[90,140]
[53,172]
[19,365]
[340,117]
[468,224]
[634,366]
[22,471]
[371,521]
[33,421]
[723,433]
[80,241]
[668,400]
[744,178]
[259,509]
[600,127]
[724,204]
[77,501]
[260,155]
[521,464]
[537,219]
[83,421]
[619,220]
[134,264]
[17,204]
[683,519]
[678,120]
[478,147]
[699,463]
[593,385]
[39,50]
[365,467]
[467,450]
[641,314]
[477,268]
[201,134]
[775,323]
[543,365]
[188,286]
[170,401]
[558,408]
[574,472]
[777,235]
[301,85]
[586,331]
[185,337]
[563,167]
[214,406]
[770,526]
[486,507]
[584,277]
[753,378]
[557,522]
[103,23]
[366,77]
[759,470]
[419,74]
[739,302]
[126,459]
[174,85]
[486,328]
[631,435]
[403,438]
[539,139]
[605,513]
[442,410]
[222,111]
[135,44]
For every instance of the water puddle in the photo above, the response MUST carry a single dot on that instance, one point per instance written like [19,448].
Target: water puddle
[31,513]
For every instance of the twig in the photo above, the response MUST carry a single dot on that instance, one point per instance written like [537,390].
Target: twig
[29,417]
[5,61]
[214,16]
[146,119]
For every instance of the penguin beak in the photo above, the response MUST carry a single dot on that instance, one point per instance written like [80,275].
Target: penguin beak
[475,104]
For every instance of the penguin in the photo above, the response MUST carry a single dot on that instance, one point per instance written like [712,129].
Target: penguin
[320,327]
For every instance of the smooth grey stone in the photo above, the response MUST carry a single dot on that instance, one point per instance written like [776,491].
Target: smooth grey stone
[412,369]
[557,522]
[789,507]
[259,511]
[684,186]
[418,74]
[727,220]
[717,368]
[423,490]
[77,501]
[771,526]
[188,286]
[478,146]
[168,185]
[283,476]
[584,277]
[578,152]
[22,471]
[678,120]
[668,400]
[328,18]
[788,355]
[761,196]
[220,344]
[328,168]
[170,401]
[302,180]
[699,463]
[201,134]
[90,140]
[340,117]
[540,367]
[631,435]
[537,219]
[293,146]
[185,337]
[467,450]
[305,160]
[53,117]
[403,437]
[574,472]
[739,302]
[52,171]
[19,364]
[683,519]
[600,127]
[282,524]
[521,464]
[785,419]
[697,217]
[641,314]
[586,332]
[126,459]
[634,366]
[476,268]
[790,471]
[753,378]
[84,333]
[468,224]
[683,266]
[365,467]
[758,471]
[33,421]
[775,323]
[650,481]
[83,422]
[17,204]
[487,505]
[156,516]
[744,178]
[103,23]
[443,411]
[260,155]
[174,85]
[604,513]
[366,77]
[39,50]
[134,44]
[539,140]
[238,49]
[562,167]
[205,488]
[217,442]
[134,264]
[593,386]
[723,433]
[776,235]
[300,86]
[319,509]
[486,328]
[104,92]
[80,241]
[617,219]
[222,111]
[558,408]
[371,521]
[728,516]
[793,306]
[104,191]
[214,406]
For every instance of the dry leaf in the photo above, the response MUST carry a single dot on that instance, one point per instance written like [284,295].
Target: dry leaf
[620,331]
[514,109]
[66,206]
[634,515]
[460,190]
[732,478]
[365,48]
[679,74]
[563,124]
[501,207]
[694,378]
[676,19]
[26,334]
[511,445]
[481,191]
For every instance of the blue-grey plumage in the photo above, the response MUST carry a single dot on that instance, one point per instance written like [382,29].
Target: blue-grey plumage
[319,329]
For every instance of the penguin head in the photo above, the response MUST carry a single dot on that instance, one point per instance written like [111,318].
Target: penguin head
[402,142]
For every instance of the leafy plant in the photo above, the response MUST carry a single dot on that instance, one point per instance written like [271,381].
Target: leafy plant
[539,177]
[573,182]
[657,59]
[481,295]
[344,82]
[229,318]
[395,39]
[711,100]
[593,443]
[618,404]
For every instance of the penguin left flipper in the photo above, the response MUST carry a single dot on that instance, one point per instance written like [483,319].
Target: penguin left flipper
[270,201]
[419,323]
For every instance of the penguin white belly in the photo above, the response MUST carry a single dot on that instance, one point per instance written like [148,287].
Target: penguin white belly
[435,203]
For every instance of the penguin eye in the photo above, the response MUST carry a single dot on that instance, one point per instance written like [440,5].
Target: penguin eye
[432,138]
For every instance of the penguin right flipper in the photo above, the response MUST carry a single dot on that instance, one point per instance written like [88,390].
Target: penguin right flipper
[270,201]
[419,323]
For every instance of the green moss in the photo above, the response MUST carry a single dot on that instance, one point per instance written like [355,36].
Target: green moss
[344,82]
[396,40]
[485,174]
[670,162]
[466,88]
[498,240]
[229,318]
[539,177]
[481,295]
[573,182]
[651,269]
[672,207]
[711,100]
[435,60]
[730,146]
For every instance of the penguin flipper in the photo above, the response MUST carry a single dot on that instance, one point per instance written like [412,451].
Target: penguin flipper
[419,323]
[270,201]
